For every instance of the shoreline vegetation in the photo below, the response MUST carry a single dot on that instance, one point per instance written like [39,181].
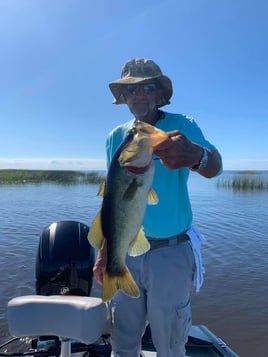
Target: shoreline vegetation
[244,181]
[240,181]
[13,176]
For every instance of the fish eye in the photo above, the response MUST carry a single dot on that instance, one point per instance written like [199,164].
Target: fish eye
[132,131]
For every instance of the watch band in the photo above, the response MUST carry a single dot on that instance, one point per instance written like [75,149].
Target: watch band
[203,161]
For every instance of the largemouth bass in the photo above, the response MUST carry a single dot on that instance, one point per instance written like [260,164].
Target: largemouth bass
[125,193]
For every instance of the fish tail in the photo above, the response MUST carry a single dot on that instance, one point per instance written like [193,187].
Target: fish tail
[124,282]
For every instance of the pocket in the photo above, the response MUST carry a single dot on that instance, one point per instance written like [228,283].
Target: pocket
[181,327]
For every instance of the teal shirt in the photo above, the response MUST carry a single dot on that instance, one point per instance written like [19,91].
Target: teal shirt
[173,214]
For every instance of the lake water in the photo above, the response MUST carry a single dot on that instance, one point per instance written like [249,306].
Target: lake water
[233,301]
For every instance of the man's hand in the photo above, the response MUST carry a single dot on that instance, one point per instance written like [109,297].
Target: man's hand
[178,151]
[100,263]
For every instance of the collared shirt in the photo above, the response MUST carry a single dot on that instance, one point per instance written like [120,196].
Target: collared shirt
[173,214]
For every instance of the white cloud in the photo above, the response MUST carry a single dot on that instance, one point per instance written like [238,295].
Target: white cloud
[53,164]
[245,164]
[99,164]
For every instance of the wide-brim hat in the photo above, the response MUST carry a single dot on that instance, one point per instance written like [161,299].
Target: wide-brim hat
[139,70]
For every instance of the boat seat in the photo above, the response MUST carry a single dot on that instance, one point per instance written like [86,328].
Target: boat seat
[79,318]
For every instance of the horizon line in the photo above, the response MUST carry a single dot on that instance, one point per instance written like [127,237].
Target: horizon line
[100,164]
[53,163]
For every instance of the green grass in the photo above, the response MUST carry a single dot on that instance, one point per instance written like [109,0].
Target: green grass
[248,172]
[49,176]
[244,181]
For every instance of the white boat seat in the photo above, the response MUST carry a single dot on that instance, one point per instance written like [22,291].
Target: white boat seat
[83,319]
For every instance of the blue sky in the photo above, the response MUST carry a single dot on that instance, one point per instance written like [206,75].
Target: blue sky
[58,56]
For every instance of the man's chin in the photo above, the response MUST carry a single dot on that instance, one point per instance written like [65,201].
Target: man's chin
[141,112]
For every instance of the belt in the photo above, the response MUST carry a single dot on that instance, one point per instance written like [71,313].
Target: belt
[167,242]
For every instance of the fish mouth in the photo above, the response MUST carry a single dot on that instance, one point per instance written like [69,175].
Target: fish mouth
[137,170]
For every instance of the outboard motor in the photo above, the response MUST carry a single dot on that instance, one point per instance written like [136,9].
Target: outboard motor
[64,260]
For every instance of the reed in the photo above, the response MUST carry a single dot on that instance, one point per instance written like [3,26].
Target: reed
[244,181]
[49,176]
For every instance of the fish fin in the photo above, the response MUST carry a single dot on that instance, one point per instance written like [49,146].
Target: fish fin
[152,198]
[124,282]
[95,235]
[139,244]
[101,188]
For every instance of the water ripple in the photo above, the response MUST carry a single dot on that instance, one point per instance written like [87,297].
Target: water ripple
[235,256]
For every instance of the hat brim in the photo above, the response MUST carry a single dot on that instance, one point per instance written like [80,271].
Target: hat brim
[165,82]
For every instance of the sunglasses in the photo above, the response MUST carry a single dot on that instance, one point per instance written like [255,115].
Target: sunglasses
[148,88]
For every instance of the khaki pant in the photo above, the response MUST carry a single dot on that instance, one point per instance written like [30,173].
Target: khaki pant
[165,277]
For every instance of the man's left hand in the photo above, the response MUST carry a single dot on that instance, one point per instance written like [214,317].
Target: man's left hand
[178,151]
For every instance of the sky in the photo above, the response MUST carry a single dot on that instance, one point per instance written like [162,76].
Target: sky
[58,57]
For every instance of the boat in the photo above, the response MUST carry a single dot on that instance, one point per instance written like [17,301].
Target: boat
[64,319]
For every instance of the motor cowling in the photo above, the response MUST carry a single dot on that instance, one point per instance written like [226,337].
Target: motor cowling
[64,260]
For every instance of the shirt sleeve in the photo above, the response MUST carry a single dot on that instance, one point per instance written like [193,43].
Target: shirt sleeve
[194,133]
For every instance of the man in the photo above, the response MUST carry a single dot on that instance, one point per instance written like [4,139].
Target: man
[164,274]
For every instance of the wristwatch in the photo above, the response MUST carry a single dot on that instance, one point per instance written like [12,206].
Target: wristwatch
[203,161]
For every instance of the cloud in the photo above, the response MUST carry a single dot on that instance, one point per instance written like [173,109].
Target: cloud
[245,164]
[53,164]
[100,164]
